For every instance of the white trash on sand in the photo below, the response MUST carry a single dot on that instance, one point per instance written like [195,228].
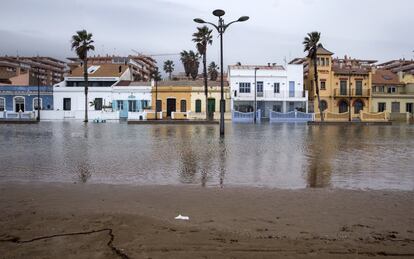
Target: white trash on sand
[180,217]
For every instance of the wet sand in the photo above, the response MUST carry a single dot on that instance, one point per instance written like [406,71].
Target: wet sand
[48,220]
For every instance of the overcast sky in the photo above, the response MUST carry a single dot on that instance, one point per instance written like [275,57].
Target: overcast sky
[372,29]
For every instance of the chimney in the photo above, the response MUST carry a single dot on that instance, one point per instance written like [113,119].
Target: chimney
[274,64]
[268,64]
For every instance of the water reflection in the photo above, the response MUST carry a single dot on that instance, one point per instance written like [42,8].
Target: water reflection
[271,155]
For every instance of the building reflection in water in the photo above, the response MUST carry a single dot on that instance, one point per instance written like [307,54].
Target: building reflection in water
[321,147]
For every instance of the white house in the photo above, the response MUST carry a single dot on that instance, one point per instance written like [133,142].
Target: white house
[279,88]
[111,94]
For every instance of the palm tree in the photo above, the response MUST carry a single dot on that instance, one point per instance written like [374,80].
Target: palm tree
[185,59]
[155,75]
[213,71]
[193,64]
[311,44]
[82,43]
[169,68]
[203,38]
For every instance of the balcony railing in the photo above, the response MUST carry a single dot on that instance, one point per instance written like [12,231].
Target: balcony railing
[269,94]
[354,92]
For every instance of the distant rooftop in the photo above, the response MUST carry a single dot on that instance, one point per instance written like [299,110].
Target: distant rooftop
[102,70]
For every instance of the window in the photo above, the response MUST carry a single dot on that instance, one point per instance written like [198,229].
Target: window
[35,103]
[277,108]
[158,106]
[260,87]
[381,89]
[2,104]
[19,104]
[392,89]
[144,104]
[98,104]
[324,105]
[291,88]
[395,107]
[276,88]
[66,104]
[323,85]
[382,107]
[183,105]
[408,107]
[327,61]
[132,106]
[358,87]
[343,87]
[120,105]
[198,106]
[244,87]
[323,62]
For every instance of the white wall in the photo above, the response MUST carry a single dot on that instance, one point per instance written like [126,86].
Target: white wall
[269,77]
[77,96]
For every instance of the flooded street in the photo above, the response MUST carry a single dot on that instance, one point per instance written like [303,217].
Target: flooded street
[286,156]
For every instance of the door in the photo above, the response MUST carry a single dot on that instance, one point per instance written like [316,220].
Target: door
[211,107]
[291,88]
[66,104]
[343,107]
[170,106]
[358,87]
[123,108]
[395,107]
[343,86]
[259,89]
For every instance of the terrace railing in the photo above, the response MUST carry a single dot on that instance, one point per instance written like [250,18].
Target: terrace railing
[293,116]
[246,116]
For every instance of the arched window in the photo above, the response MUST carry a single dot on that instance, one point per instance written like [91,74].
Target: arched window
[343,106]
[198,105]
[2,104]
[19,104]
[358,106]
[183,105]
[324,105]
[35,108]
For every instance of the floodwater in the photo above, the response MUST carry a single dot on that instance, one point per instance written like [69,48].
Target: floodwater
[288,156]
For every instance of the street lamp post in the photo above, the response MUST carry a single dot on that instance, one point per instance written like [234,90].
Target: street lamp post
[38,96]
[255,94]
[221,28]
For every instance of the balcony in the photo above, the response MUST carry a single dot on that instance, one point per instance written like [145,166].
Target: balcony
[354,92]
[270,95]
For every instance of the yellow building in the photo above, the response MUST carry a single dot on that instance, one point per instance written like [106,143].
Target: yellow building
[185,99]
[343,83]
[392,95]
[198,100]
[171,97]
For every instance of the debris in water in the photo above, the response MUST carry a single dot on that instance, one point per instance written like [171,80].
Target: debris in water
[180,217]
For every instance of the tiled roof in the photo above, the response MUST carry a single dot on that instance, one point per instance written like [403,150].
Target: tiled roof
[190,83]
[322,51]
[103,70]
[133,83]
[385,77]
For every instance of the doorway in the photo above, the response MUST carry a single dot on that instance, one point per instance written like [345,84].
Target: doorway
[211,105]
[171,106]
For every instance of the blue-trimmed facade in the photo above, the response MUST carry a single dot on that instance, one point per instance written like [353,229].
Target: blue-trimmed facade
[12,97]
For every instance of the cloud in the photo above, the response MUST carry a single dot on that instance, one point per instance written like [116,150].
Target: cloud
[366,29]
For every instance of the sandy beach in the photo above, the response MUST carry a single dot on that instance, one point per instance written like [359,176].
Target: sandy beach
[51,220]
